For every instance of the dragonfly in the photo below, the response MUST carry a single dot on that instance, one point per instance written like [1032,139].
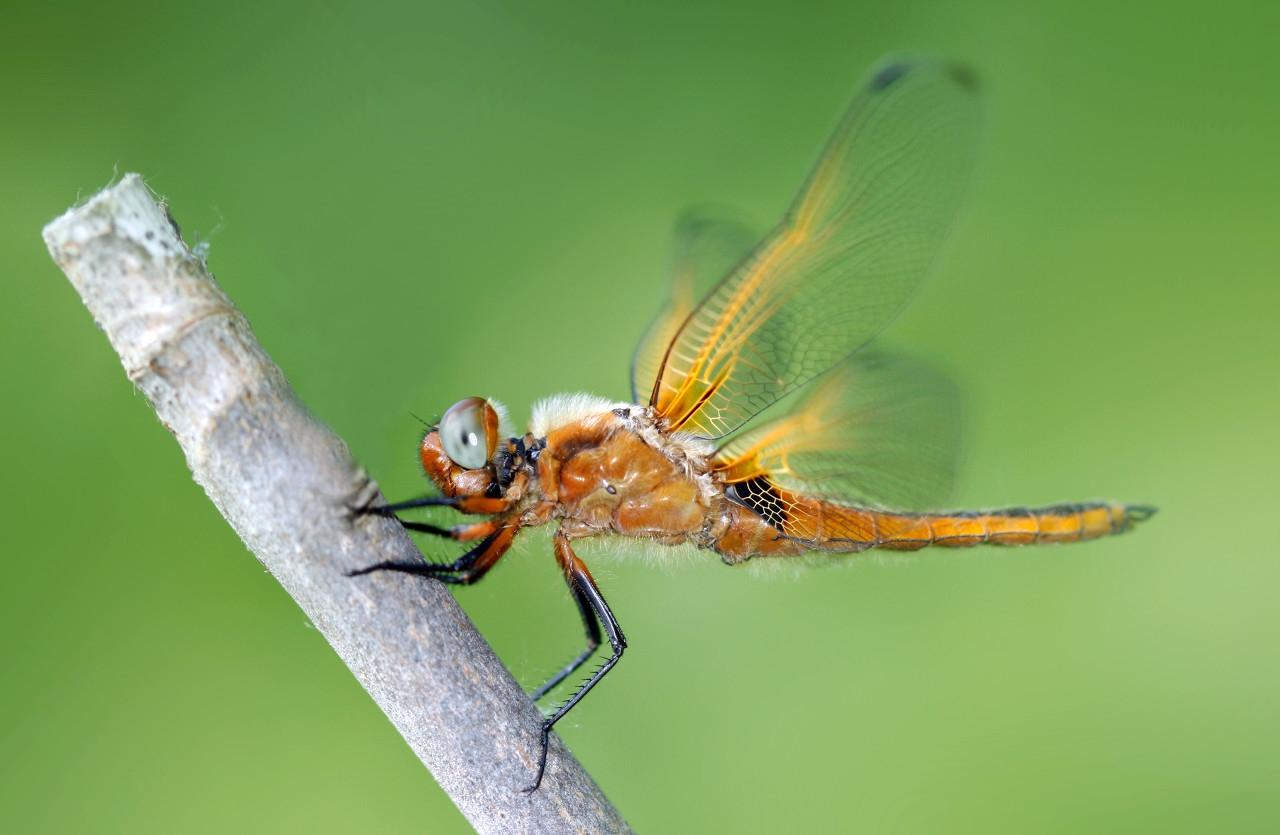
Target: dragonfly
[761,424]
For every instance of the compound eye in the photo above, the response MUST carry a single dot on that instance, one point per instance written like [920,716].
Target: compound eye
[469,432]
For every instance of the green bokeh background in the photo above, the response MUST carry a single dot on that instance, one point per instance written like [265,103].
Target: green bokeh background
[414,203]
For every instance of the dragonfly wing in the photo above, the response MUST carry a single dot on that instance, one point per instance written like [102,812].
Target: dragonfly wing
[707,246]
[846,258]
[879,430]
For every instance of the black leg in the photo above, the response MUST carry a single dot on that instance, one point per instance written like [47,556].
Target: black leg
[464,571]
[425,501]
[461,533]
[580,580]
[592,626]
[427,527]
[482,505]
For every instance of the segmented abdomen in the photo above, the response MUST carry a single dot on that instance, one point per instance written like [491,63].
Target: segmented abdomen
[772,521]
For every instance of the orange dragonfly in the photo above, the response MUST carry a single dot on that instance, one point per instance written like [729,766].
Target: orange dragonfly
[698,456]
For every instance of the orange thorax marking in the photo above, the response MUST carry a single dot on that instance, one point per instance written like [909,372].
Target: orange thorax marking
[606,479]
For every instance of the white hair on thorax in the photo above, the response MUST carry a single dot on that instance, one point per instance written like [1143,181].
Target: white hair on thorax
[560,409]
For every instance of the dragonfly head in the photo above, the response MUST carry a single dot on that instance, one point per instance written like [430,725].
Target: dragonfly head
[465,453]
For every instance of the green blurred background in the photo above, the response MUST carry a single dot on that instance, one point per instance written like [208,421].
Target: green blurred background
[414,203]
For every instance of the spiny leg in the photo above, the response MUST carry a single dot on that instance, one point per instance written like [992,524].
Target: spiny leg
[418,527]
[466,569]
[430,569]
[460,533]
[582,583]
[592,625]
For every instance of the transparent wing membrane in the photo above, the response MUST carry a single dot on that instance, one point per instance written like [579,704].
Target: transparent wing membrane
[707,246]
[877,431]
[845,259]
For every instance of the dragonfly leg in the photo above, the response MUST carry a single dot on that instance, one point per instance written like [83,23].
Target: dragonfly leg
[464,504]
[427,527]
[459,533]
[592,626]
[585,588]
[466,569]
[391,509]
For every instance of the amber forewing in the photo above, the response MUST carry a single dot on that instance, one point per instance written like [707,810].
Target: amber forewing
[846,258]
[707,246]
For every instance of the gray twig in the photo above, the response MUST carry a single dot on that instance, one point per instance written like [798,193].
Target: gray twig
[286,484]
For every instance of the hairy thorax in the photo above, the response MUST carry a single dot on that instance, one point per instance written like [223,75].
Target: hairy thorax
[614,471]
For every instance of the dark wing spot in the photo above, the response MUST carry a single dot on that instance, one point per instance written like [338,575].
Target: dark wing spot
[964,76]
[888,75]
[760,497]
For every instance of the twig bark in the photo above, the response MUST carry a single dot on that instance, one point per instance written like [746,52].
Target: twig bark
[285,483]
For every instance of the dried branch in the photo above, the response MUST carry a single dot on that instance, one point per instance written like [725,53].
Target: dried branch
[285,483]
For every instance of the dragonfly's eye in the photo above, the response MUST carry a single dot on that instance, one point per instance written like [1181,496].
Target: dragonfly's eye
[469,432]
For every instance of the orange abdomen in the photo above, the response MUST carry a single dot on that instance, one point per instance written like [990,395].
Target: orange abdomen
[778,523]
[1012,526]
